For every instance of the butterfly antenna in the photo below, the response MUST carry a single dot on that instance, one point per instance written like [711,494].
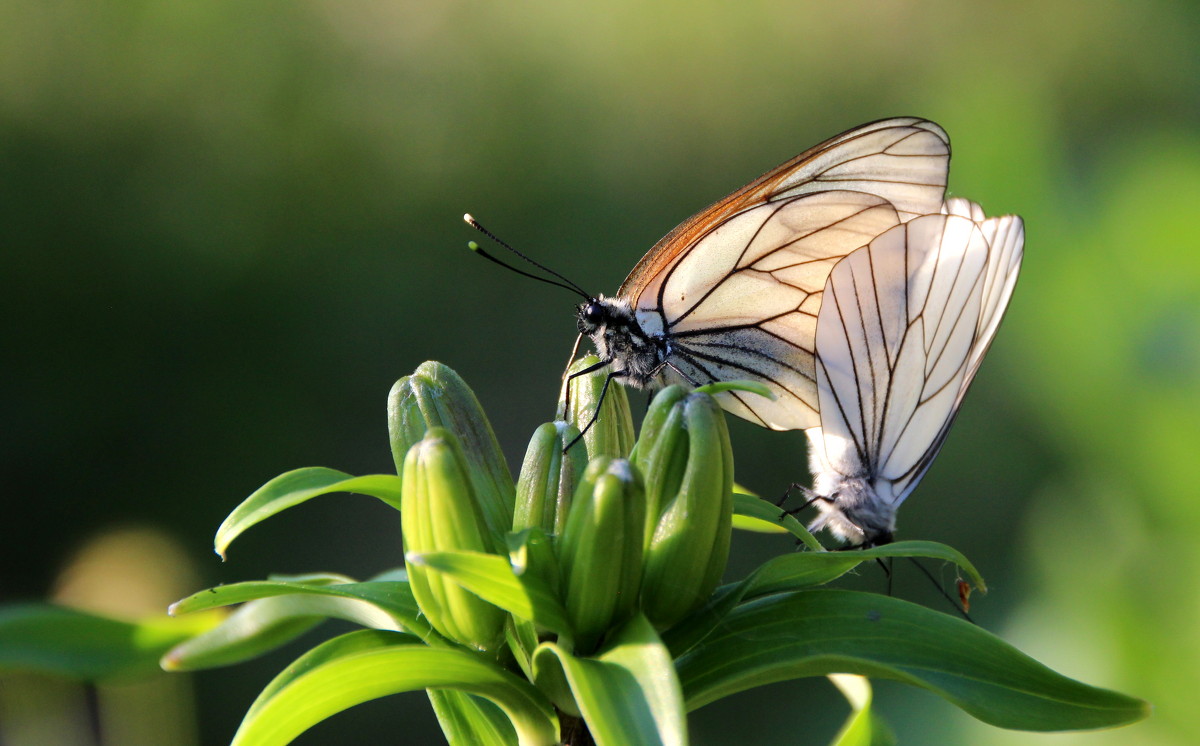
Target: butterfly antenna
[479,250]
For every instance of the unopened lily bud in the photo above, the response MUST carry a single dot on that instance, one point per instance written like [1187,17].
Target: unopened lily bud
[687,461]
[549,477]
[435,396]
[600,550]
[440,514]
[611,434]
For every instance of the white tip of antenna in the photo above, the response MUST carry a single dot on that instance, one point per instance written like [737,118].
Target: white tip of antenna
[469,220]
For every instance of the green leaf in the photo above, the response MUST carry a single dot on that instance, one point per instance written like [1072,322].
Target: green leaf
[83,646]
[256,628]
[330,650]
[491,577]
[927,549]
[279,611]
[863,727]
[628,694]
[818,632]
[382,604]
[468,720]
[752,513]
[755,514]
[752,387]
[297,486]
[796,572]
[369,664]
[787,572]
[802,570]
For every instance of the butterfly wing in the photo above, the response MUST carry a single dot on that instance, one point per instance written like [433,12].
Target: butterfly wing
[757,318]
[905,160]
[738,286]
[1006,241]
[894,341]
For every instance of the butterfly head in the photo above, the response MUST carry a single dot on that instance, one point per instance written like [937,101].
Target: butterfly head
[593,315]
[620,340]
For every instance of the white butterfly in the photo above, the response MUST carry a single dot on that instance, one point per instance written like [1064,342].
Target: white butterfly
[734,291]
[903,328]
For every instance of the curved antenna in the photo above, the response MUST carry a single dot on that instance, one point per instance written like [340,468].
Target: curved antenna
[479,250]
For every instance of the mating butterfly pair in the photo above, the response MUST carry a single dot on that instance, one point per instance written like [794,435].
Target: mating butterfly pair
[844,282]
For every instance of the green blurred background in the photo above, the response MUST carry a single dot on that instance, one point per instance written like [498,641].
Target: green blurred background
[226,228]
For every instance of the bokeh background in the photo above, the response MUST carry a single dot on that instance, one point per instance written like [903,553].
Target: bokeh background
[226,228]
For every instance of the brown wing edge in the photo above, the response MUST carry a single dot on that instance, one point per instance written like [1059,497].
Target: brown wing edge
[690,231]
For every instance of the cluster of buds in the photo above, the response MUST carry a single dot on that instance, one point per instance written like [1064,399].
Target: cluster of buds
[634,527]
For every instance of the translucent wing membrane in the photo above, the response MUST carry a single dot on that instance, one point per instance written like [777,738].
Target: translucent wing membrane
[904,160]
[1006,238]
[895,339]
[744,304]
[737,288]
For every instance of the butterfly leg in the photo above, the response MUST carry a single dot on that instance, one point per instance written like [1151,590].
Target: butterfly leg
[961,609]
[599,403]
[810,497]
[820,522]
[571,378]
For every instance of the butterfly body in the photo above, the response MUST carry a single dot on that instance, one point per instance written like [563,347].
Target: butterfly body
[852,510]
[636,355]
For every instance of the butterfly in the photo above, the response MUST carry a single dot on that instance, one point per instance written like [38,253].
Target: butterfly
[905,323]
[734,292]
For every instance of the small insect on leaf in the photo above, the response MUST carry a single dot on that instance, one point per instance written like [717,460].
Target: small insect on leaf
[964,595]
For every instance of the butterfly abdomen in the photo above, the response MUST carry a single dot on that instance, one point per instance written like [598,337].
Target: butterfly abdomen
[853,512]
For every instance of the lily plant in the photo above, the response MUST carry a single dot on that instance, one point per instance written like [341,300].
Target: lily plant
[583,602]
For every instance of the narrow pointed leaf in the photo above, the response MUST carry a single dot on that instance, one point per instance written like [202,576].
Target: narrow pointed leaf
[752,513]
[300,485]
[83,646]
[351,672]
[796,572]
[250,631]
[930,550]
[330,650]
[751,387]
[801,570]
[491,577]
[282,611]
[818,632]
[628,694]
[388,602]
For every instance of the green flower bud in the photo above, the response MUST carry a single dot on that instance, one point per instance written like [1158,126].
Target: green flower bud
[685,454]
[600,550]
[532,551]
[435,396]
[549,477]
[652,424]
[612,432]
[440,514]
